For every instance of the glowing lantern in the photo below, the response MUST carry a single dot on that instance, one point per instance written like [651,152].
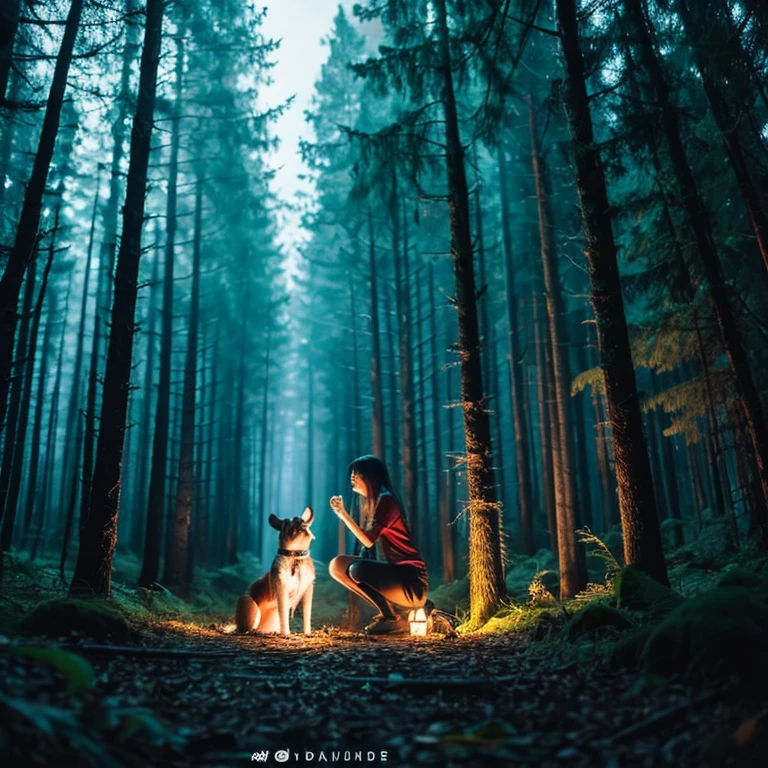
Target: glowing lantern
[418,621]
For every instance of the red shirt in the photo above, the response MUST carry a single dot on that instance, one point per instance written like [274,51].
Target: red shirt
[390,527]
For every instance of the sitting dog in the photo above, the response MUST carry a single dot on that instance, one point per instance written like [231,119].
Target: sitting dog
[269,602]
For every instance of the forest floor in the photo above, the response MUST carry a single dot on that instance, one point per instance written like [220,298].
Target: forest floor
[213,699]
[187,692]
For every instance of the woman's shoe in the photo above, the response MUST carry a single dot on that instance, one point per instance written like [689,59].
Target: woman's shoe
[386,625]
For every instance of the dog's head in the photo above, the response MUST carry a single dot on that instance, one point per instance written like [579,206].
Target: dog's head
[294,531]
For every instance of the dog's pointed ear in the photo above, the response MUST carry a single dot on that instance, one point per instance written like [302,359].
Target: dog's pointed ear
[275,522]
[308,515]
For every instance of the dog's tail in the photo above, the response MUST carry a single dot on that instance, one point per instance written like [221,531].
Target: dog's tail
[247,614]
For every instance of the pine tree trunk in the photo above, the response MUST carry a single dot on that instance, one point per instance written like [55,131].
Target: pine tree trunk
[640,525]
[487,588]
[139,523]
[34,494]
[545,398]
[403,303]
[422,472]
[310,478]
[572,576]
[441,472]
[357,436]
[522,440]
[107,251]
[71,466]
[394,449]
[15,416]
[176,569]
[51,445]
[150,570]
[447,512]
[582,453]
[93,572]
[378,429]
[601,444]
[242,527]
[204,548]
[746,391]
[263,508]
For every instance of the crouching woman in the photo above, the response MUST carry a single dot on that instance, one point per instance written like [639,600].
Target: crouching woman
[401,579]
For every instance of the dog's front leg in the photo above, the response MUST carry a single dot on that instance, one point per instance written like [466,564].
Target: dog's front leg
[306,608]
[283,608]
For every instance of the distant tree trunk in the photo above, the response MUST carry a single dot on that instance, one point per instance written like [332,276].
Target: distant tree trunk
[204,548]
[441,470]
[746,391]
[394,448]
[378,429]
[572,576]
[27,374]
[15,416]
[422,473]
[400,257]
[108,250]
[263,508]
[582,454]
[243,532]
[10,10]
[34,494]
[50,448]
[25,244]
[93,572]
[177,567]
[150,570]
[357,436]
[640,525]
[522,442]
[71,466]
[546,438]
[601,443]
[486,565]
[139,523]
[310,481]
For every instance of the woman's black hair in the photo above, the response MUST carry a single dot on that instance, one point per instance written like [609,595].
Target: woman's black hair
[375,476]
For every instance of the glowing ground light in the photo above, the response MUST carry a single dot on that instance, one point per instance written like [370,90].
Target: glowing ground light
[418,621]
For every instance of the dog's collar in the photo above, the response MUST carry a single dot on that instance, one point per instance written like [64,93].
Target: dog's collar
[293,552]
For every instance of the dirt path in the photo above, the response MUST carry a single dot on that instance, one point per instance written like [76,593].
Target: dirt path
[398,701]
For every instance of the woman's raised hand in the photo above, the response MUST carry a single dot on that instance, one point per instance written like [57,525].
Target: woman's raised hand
[337,505]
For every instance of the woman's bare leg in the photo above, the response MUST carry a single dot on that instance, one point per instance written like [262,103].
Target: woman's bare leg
[339,570]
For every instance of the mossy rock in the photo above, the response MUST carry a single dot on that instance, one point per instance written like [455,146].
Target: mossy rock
[546,626]
[627,650]
[88,618]
[594,617]
[715,633]
[637,591]
[741,577]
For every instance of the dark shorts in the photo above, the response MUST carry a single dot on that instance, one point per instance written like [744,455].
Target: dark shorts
[404,585]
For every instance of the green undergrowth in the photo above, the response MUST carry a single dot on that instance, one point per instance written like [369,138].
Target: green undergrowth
[711,622]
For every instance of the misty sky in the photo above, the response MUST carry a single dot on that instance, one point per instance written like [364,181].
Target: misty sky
[301,24]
